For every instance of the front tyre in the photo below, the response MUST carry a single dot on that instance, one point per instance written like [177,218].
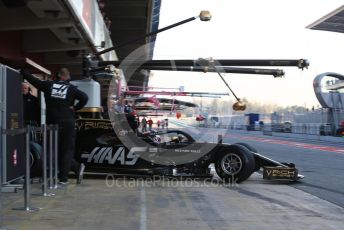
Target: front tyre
[234,164]
[36,160]
[252,149]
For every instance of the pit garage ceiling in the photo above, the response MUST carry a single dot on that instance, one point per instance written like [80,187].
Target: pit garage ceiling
[132,19]
[333,21]
[46,29]
[41,29]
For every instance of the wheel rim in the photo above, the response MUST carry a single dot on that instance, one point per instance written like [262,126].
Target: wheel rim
[231,164]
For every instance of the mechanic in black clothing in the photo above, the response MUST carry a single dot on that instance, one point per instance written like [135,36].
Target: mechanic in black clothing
[60,97]
[31,106]
[127,107]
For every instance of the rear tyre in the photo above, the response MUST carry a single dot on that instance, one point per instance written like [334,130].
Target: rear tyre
[235,164]
[252,149]
[36,160]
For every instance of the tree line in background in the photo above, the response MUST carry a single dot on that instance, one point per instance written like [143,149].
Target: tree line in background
[224,107]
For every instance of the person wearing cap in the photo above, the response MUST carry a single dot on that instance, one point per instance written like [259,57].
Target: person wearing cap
[60,97]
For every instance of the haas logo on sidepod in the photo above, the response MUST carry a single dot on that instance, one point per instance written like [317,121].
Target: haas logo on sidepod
[100,155]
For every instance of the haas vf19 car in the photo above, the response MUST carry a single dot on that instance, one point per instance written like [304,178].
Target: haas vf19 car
[170,153]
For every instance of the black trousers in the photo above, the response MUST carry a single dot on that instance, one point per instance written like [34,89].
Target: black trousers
[66,161]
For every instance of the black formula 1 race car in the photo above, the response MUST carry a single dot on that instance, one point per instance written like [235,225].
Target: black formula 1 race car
[170,153]
[112,146]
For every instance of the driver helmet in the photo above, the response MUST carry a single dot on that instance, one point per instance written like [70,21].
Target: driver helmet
[175,139]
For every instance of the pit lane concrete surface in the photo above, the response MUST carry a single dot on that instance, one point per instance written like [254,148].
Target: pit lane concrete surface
[162,203]
[320,161]
[166,204]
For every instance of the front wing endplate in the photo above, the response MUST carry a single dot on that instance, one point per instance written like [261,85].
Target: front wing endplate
[280,173]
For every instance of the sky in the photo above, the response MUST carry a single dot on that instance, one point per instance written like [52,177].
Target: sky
[250,29]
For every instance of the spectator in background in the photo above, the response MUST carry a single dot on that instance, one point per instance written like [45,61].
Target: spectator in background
[144,124]
[150,123]
[108,23]
[162,124]
[118,105]
[138,121]
[158,124]
[166,123]
[101,4]
[31,106]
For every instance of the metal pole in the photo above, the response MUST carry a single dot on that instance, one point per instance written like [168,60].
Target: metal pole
[147,35]
[226,69]
[51,186]
[27,174]
[27,192]
[45,179]
[56,156]
[224,81]
[219,139]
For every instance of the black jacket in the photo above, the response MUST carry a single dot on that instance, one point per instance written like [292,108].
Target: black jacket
[31,108]
[60,98]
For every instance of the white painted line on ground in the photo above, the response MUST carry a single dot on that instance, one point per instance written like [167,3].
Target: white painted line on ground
[143,218]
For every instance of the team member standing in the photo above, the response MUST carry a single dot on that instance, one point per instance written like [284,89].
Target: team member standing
[127,107]
[60,97]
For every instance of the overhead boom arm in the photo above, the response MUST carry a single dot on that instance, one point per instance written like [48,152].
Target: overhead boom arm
[273,72]
[300,63]
[203,16]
